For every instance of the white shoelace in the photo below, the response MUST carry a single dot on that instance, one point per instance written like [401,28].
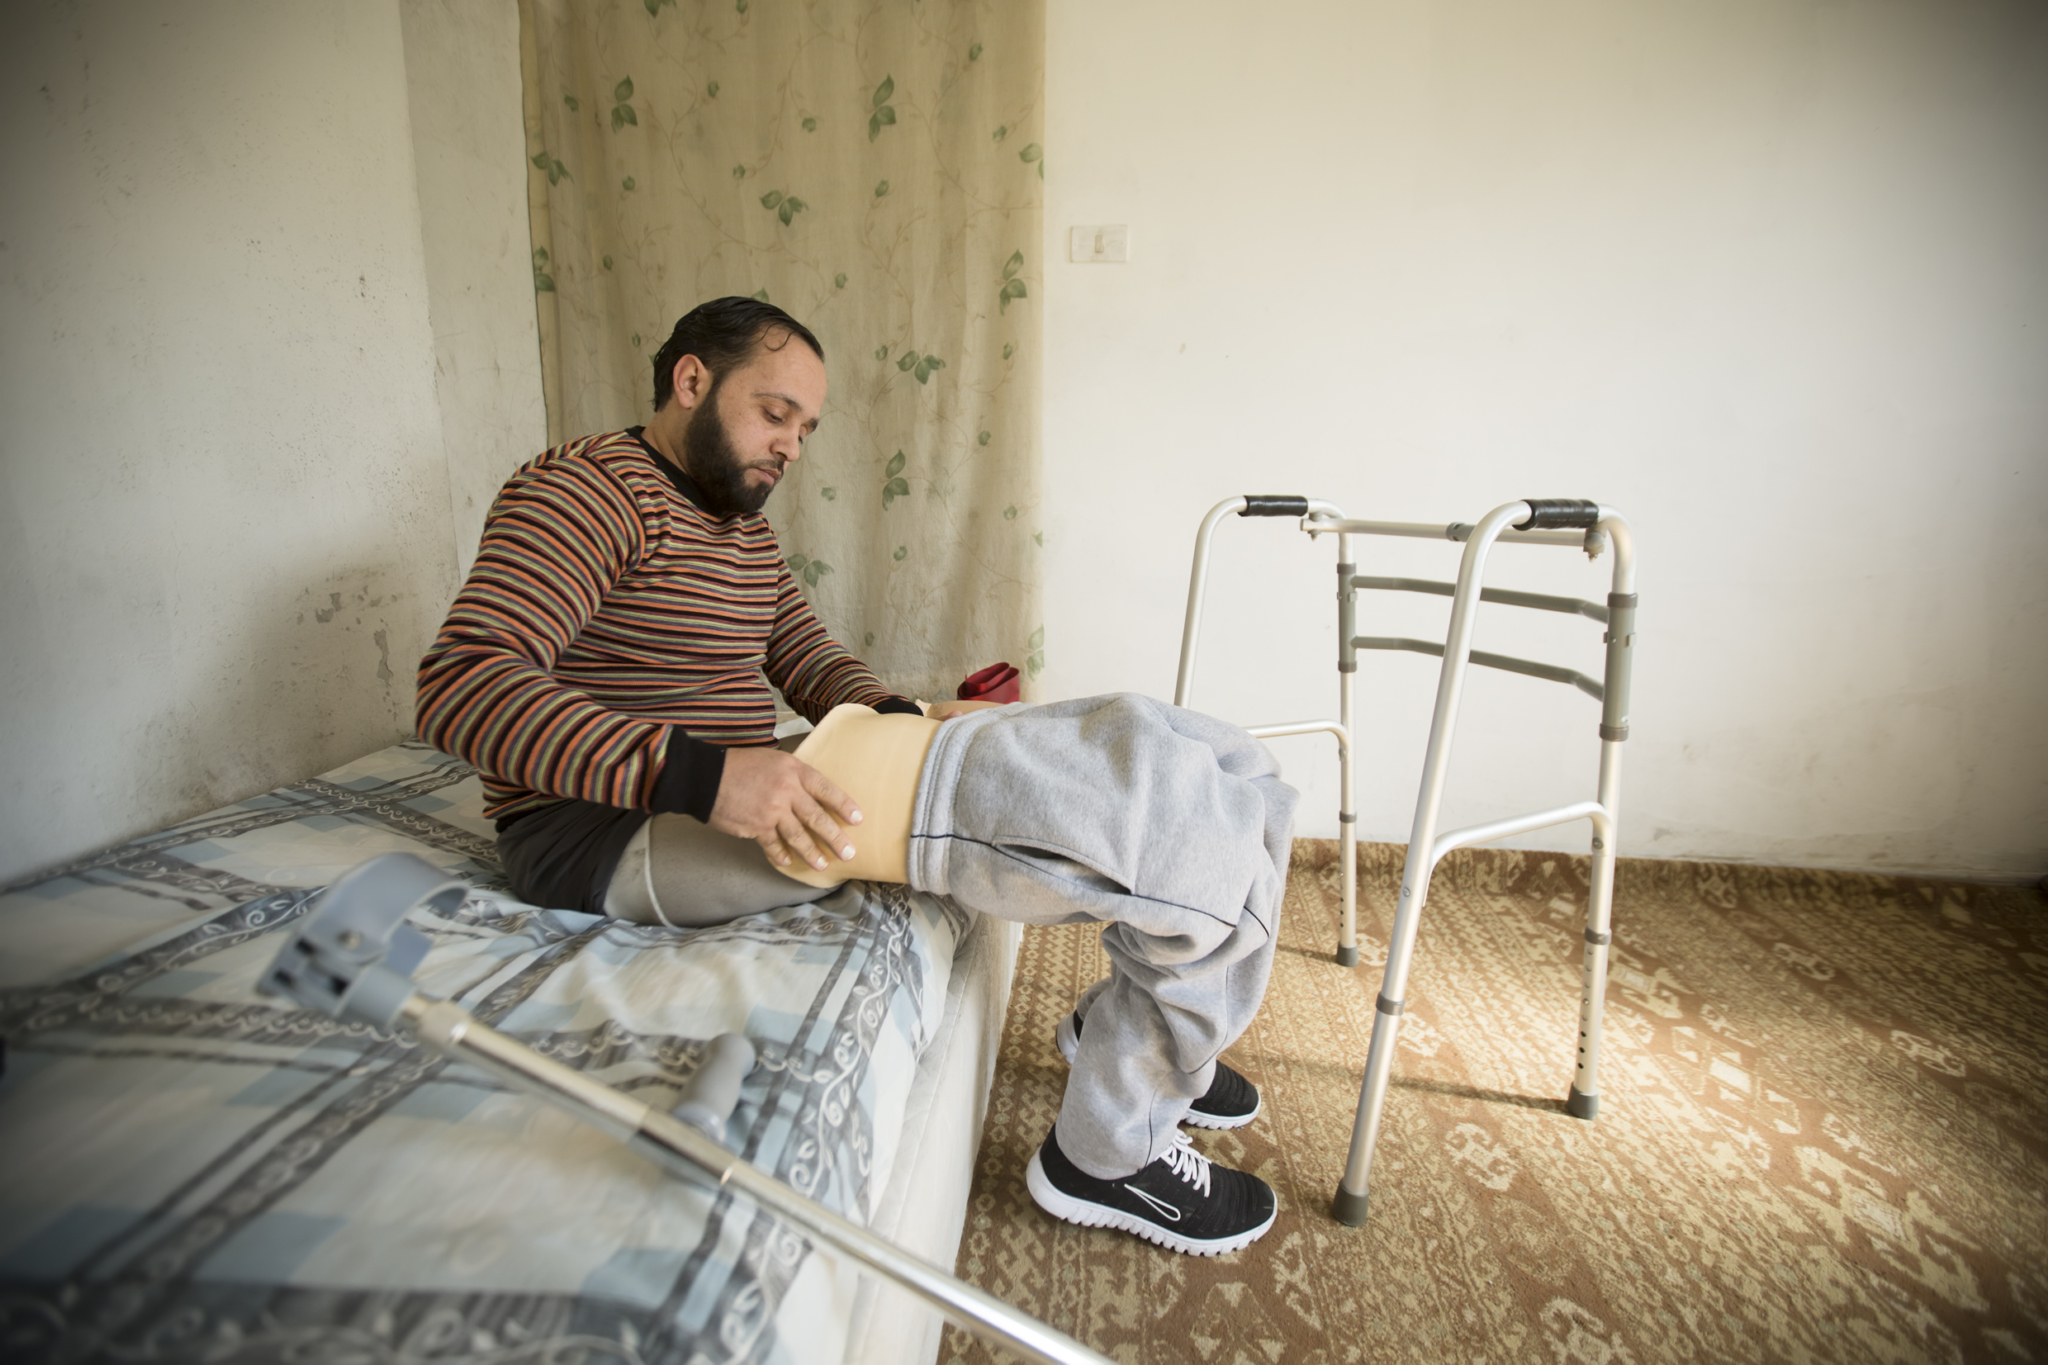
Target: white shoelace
[1187,1163]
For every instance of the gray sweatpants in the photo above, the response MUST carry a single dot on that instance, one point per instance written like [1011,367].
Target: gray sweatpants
[1172,829]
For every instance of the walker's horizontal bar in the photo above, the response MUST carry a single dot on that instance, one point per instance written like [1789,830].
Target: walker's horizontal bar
[1506,663]
[1302,727]
[1521,824]
[1570,606]
[1461,533]
[1457,530]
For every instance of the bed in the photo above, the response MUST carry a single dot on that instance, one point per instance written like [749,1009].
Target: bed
[191,1171]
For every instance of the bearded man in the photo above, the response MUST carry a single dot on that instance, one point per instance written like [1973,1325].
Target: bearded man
[603,668]
[604,662]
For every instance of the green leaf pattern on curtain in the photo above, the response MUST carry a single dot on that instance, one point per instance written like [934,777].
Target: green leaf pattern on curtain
[856,164]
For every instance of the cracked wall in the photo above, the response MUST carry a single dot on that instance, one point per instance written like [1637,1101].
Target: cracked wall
[225,531]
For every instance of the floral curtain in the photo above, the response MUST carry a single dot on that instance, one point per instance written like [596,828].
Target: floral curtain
[873,167]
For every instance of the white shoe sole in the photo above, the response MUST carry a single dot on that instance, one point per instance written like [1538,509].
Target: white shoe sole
[1070,1043]
[1195,1118]
[1089,1214]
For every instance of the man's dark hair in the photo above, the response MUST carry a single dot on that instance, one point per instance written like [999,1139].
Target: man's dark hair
[724,333]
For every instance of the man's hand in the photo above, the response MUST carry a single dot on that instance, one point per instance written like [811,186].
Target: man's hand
[783,804]
[946,710]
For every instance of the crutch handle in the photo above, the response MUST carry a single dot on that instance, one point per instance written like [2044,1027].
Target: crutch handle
[1560,514]
[1277,505]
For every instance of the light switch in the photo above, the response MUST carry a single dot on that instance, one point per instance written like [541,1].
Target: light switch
[1105,244]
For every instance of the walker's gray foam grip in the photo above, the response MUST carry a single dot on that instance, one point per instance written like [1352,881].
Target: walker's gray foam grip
[1274,505]
[1554,513]
[710,1094]
[1348,1208]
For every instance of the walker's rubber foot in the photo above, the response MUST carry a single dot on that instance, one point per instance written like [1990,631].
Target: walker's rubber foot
[1349,1208]
[1582,1106]
[1347,957]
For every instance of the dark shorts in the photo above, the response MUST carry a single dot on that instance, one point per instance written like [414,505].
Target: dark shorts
[561,857]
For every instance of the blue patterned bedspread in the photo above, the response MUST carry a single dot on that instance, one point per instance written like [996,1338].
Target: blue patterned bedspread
[189,1171]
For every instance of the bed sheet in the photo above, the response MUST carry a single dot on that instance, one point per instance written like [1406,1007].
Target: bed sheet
[188,1170]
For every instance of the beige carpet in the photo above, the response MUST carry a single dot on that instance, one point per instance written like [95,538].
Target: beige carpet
[1823,1133]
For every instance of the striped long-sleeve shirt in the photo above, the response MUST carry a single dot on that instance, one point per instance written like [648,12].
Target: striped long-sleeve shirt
[612,636]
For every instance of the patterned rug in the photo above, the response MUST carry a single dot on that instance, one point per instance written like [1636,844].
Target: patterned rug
[1823,1132]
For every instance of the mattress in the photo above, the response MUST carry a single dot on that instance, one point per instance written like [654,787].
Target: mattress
[188,1170]
[924,1207]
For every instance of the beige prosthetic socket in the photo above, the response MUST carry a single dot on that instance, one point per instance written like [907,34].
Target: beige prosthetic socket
[876,760]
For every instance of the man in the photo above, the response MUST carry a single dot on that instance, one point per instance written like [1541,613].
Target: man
[604,661]
[603,669]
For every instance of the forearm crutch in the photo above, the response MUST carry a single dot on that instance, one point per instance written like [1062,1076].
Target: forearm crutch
[1565,522]
[353,956]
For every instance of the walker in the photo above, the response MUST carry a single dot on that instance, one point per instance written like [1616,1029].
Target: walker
[1538,521]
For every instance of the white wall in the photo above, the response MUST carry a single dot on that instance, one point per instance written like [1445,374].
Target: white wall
[1765,276]
[1770,277]
[226,529]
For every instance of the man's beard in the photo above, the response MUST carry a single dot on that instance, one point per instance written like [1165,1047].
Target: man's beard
[715,465]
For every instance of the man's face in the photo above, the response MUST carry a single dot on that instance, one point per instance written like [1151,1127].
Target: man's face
[752,425]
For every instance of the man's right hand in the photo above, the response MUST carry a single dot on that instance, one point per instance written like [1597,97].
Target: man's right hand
[783,804]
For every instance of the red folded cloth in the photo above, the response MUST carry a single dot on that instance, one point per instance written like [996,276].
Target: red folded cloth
[997,683]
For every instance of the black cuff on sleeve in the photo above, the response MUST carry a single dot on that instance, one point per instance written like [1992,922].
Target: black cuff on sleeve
[688,783]
[898,706]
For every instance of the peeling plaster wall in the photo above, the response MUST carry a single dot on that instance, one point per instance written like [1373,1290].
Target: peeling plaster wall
[1770,276]
[224,503]
[469,143]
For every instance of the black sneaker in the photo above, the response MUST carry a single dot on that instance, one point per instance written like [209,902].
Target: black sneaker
[1183,1201]
[1231,1101]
